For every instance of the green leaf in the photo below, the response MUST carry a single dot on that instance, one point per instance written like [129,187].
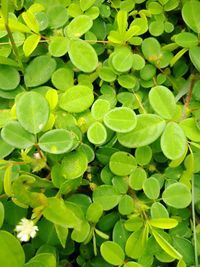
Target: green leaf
[149,127]
[112,253]
[9,78]
[31,21]
[81,234]
[151,49]
[30,44]
[106,196]
[122,163]
[163,223]
[140,238]
[39,70]
[99,108]
[138,62]
[132,264]
[74,164]
[151,188]
[158,210]
[83,55]
[165,245]
[122,59]
[194,54]
[120,119]
[2,212]
[162,101]
[16,136]
[11,253]
[126,205]
[86,4]
[122,22]
[56,141]
[5,148]
[186,39]
[181,263]
[190,129]
[107,74]
[62,233]
[14,25]
[137,178]
[143,155]
[177,195]
[58,46]
[190,14]
[7,181]
[32,111]
[57,15]
[97,133]
[173,141]
[42,260]
[78,26]
[94,212]
[77,99]
[58,213]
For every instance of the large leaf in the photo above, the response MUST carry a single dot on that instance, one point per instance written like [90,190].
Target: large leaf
[39,70]
[190,14]
[11,253]
[32,111]
[162,101]
[112,253]
[149,127]
[177,195]
[83,55]
[58,213]
[15,135]
[77,99]
[173,141]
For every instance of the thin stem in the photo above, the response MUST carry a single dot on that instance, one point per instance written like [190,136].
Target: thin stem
[194,225]
[15,49]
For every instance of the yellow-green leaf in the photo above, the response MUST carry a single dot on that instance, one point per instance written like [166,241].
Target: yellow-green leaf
[7,181]
[31,21]
[165,245]
[30,44]
[163,223]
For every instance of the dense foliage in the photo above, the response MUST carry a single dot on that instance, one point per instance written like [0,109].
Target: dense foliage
[100,133]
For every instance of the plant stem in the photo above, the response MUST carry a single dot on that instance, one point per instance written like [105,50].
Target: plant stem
[15,49]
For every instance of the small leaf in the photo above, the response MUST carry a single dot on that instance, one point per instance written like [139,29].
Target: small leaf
[9,78]
[162,101]
[83,55]
[39,70]
[120,119]
[77,99]
[97,133]
[190,129]
[106,196]
[32,111]
[194,54]
[58,46]
[163,243]
[112,253]
[30,44]
[94,212]
[58,213]
[62,233]
[173,141]
[16,136]
[86,4]
[122,59]
[78,26]
[56,141]
[7,181]
[122,22]
[30,21]
[151,188]
[186,39]
[163,223]
[122,163]
[177,195]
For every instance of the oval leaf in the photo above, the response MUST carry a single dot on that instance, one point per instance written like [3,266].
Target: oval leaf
[112,253]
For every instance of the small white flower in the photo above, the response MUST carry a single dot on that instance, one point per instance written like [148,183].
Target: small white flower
[26,230]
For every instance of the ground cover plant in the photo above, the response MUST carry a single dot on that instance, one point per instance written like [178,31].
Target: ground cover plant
[100,133]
